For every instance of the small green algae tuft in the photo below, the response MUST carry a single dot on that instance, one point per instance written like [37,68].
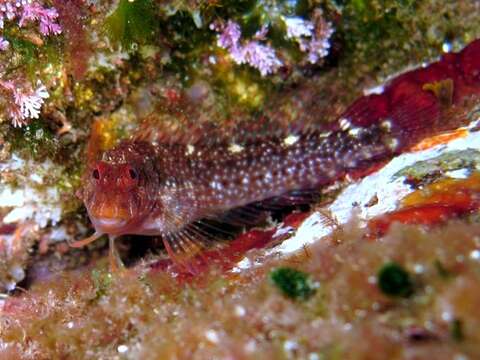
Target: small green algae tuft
[132,23]
[456,330]
[293,283]
[35,140]
[450,161]
[102,281]
[395,281]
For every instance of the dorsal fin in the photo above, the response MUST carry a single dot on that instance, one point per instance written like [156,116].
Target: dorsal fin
[209,134]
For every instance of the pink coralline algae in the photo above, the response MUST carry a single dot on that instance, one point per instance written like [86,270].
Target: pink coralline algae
[28,11]
[260,56]
[47,18]
[23,101]
[230,35]
[26,102]
[4,44]
[312,38]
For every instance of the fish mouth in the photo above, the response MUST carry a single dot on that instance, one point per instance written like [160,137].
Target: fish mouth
[109,224]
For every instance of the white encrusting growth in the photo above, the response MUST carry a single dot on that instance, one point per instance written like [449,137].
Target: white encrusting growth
[30,200]
[31,203]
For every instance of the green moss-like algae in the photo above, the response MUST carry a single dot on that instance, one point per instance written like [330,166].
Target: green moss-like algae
[450,161]
[132,22]
[293,283]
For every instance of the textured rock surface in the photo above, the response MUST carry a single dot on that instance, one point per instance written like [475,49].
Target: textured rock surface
[77,76]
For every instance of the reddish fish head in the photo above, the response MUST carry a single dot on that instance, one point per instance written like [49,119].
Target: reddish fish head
[120,189]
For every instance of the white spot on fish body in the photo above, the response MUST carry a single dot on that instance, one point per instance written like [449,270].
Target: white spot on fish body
[447,47]
[325,134]
[345,124]
[290,140]
[216,185]
[235,148]
[387,124]
[190,149]
[393,143]
[377,90]
[355,131]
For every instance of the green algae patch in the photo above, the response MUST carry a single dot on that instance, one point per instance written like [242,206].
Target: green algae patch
[25,50]
[456,330]
[35,141]
[451,161]
[395,281]
[102,281]
[293,283]
[132,22]
[384,36]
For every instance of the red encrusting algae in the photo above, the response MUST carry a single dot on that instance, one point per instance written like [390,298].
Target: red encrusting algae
[434,204]
[151,186]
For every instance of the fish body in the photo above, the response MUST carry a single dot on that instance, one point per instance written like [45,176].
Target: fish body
[161,188]
[152,190]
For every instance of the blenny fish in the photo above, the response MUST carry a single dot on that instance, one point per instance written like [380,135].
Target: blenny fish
[152,186]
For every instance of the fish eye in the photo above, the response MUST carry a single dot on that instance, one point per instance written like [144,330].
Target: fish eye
[133,174]
[96,174]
